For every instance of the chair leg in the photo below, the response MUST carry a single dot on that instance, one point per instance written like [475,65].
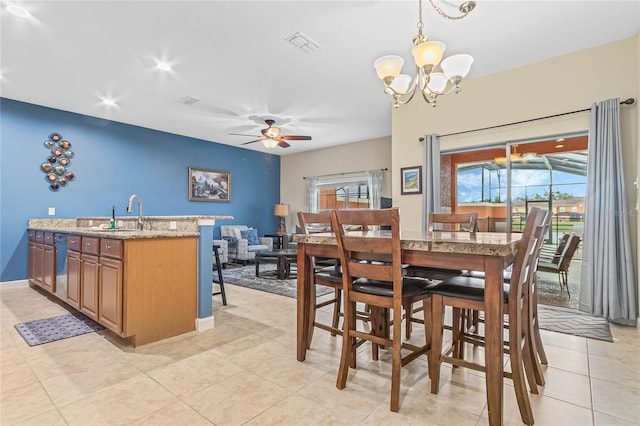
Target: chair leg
[436,341]
[408,314]
[336,309]
[428,324]
[347,355]
[220,280]
[396,363]
[517,369]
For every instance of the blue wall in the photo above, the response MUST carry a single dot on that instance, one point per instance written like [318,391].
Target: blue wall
[112,161]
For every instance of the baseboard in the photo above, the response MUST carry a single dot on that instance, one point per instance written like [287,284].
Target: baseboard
[12,285]
[203,324]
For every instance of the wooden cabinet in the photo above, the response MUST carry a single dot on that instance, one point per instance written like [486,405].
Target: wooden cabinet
[74,269]
[111,276]
[143,289]
[89,282]
[42,260]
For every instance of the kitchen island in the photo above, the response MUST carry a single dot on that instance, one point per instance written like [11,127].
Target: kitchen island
[144,285]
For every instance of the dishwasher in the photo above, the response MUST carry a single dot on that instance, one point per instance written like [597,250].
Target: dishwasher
[61,265]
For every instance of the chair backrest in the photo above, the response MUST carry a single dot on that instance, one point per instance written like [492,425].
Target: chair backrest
[561,248]
[522,276]
[371,254]
[314,222]
[453,222]
[569,250]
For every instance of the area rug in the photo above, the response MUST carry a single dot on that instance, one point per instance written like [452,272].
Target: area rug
[571,321]
[46,330]
[245,276]
[549,293]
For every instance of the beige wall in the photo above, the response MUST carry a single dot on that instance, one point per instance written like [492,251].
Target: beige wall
[365,155]
[558,85]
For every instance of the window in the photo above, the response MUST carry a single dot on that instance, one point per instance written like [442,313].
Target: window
[348,194]
[561,209]
[574,209]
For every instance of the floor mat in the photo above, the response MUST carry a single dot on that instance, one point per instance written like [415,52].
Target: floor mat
[571,321]
[245,276]
[46,330]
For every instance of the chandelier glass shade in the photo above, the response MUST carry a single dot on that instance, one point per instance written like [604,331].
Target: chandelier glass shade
[269,143]
[427,55]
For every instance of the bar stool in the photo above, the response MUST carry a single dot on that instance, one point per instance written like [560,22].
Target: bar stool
[218,267]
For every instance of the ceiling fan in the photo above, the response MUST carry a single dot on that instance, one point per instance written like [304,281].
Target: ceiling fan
[271,136]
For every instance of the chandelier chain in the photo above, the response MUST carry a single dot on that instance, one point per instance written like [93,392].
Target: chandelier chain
[420,24]
[442,12]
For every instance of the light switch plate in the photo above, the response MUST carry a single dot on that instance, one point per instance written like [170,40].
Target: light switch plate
[173,225]
[52,211]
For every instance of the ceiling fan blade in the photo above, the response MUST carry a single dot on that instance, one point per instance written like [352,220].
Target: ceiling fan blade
[243,134]
[295,138]
[283,144]
[247,143]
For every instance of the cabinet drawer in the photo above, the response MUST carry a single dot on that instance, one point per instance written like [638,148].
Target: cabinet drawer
[74,242]
[48,238]
[111,248]
[32,235]
[39,236]
[90,245]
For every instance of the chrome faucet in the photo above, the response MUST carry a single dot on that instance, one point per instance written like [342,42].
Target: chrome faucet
[140,221]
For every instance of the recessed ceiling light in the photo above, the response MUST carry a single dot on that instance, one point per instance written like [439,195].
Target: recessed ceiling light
[18,11]
[163,66]
[108,102]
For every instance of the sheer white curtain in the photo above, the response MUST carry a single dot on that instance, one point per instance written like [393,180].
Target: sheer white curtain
[375,187]
[431,178]
[311,194]
[607,286]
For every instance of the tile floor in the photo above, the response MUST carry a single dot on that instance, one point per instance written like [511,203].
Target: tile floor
[244,372]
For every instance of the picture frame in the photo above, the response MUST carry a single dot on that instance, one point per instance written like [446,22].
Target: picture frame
[209,185]
[411,180]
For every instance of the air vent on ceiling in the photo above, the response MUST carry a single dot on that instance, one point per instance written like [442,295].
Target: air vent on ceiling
[303,42]
[188,100]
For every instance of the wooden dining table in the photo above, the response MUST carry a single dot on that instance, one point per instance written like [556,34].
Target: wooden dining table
[490,252]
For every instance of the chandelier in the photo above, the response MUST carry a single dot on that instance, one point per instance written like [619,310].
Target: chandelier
[427,56]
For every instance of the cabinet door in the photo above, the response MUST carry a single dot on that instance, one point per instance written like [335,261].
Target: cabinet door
[38,262]
[110,311]
[73,279]
[49,268]
[31,269]
[90,281]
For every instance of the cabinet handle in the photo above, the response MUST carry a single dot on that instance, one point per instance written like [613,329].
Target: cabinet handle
[107,247]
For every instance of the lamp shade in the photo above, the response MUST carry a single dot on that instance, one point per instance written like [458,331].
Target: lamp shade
[437,82]
[270,143]
[401,83]
[457,65]
[281,210]
[428,53]
[388,66]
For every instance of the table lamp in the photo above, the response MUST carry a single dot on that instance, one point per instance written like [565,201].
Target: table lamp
[281,210]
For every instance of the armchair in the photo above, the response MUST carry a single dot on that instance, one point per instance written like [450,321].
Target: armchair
[239,248]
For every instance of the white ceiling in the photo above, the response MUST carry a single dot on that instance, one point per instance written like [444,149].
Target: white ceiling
[232,57]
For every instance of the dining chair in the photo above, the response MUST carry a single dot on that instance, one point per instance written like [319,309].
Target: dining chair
[448,222]
[328,276]
[465,293]
[374,257]
[535,347]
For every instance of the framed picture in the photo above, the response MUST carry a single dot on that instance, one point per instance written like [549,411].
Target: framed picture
[209,185]
[411,180]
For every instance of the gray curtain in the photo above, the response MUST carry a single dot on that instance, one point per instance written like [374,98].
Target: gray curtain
[311,194]
[431,178]
[374,178]
[607,286]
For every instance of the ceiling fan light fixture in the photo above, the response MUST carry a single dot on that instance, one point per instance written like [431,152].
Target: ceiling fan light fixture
[269,143]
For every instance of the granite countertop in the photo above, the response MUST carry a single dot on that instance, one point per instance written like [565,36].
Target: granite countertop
[155,226]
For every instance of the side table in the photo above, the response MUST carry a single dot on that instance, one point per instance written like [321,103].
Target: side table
[278,240]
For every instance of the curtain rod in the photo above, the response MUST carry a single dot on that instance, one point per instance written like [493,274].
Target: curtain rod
[344,173]
[629,101]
